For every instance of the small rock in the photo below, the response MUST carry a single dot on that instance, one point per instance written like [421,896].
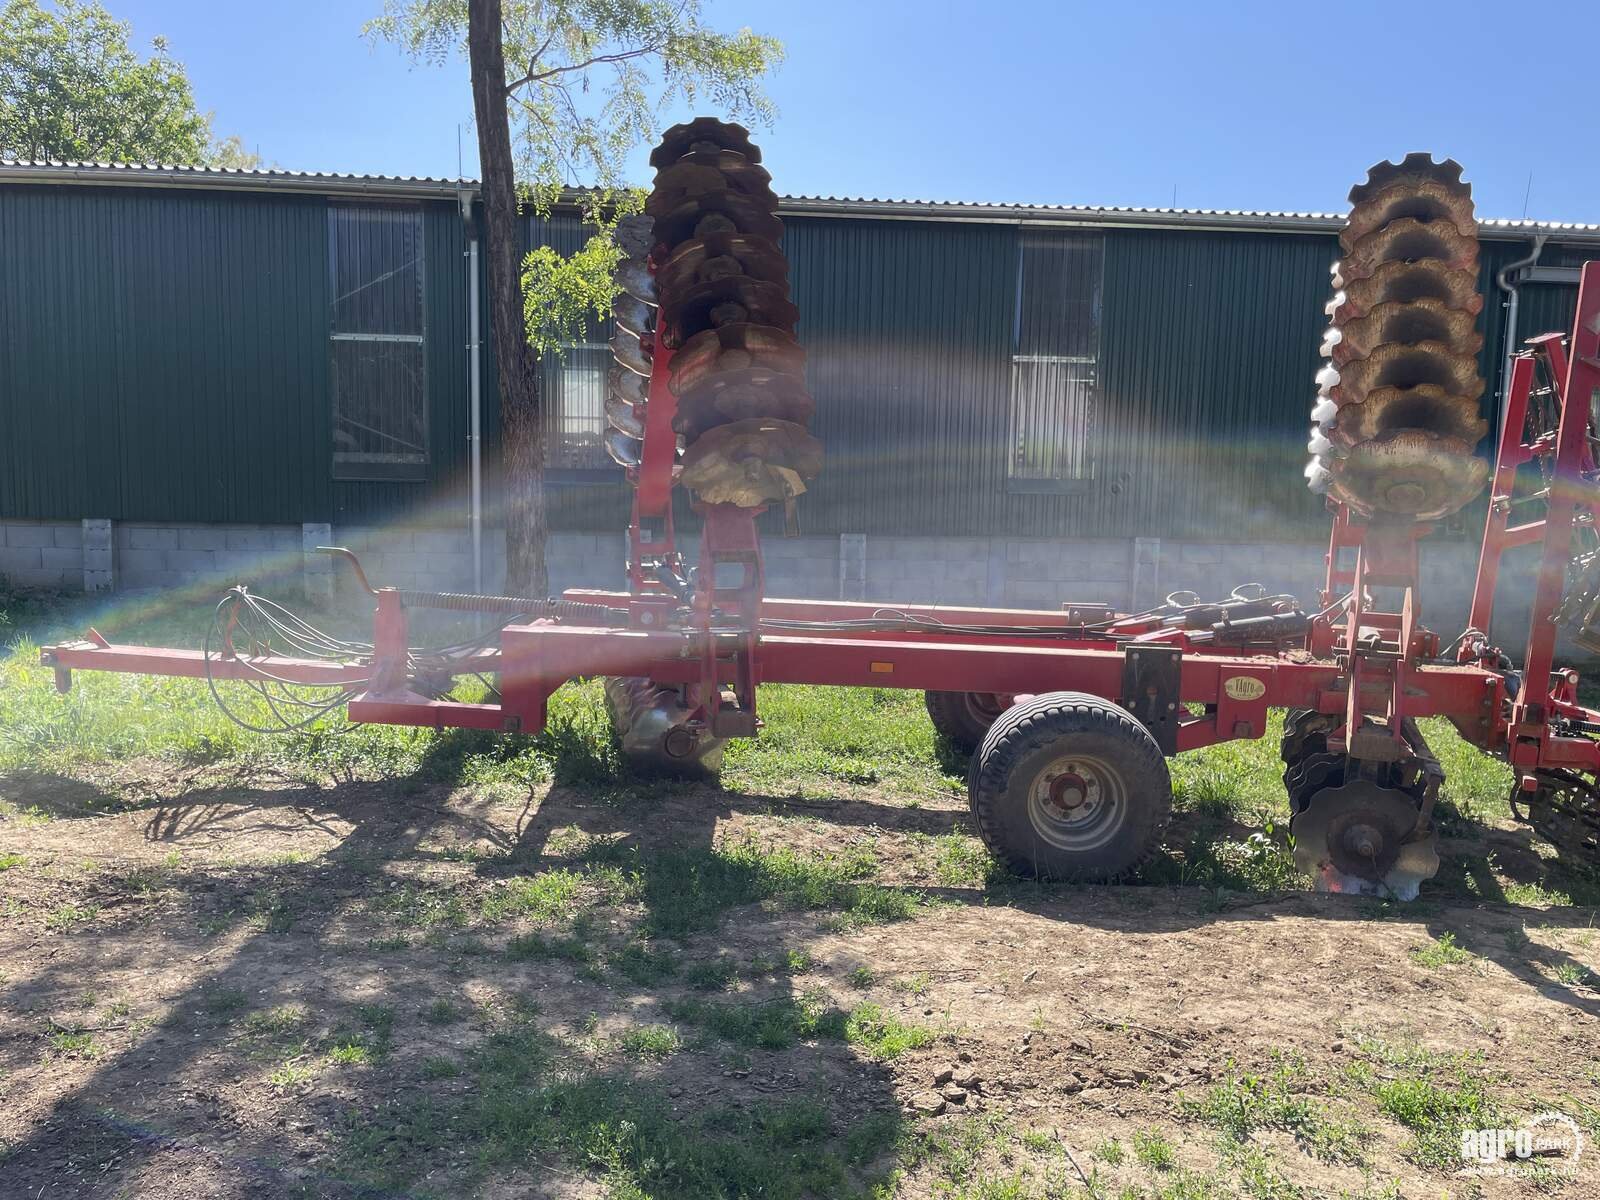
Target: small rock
[1338,1047]
[965,1056]
[1031,975]
[1081,1044]
[954,1094]
[968,1079]
[927,1104]
[1140,1076]
[1168,1079]
[943,1075]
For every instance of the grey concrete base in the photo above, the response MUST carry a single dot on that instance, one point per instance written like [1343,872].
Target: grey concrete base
[99,555]
[42,554]
[1126,573]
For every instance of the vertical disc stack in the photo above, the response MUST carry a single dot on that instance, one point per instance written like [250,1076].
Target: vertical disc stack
[722,285]
[632,335]
[1396,419]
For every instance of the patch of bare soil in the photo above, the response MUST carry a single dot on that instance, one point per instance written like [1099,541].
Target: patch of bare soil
[183,958]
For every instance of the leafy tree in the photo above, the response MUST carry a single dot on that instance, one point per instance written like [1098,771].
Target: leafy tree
[73,90]
[589,80]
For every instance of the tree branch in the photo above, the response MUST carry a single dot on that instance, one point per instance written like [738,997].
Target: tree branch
[540,76]
[532,64]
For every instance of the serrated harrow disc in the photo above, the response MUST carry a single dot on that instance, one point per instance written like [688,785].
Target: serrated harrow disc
[1402,366]
[634,278]
[625,385]
[702,134]
[1408,473]
[734,299]
[1416,170]
[625,451]
[622,416]
[628,349]
[1425,406]
[723,212]
[1427,201]
[632,314]
[751,463]
[1409,240]
[695,177]
[1426,279]
[743,396]
[635,236]
[736,348]
[1404,323]
[719,255]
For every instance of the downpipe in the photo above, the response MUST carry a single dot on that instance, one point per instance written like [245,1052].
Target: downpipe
[474,386]
[1510,287]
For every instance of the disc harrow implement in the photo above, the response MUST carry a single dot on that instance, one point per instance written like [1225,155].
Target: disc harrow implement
[1396,420]
[737,374]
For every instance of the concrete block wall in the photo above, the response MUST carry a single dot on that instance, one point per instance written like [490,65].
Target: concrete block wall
[168,555]
[1126,573]
[42,554]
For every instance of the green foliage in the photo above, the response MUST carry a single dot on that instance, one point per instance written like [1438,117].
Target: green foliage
[882,1035]
[650,1041]
[1279,1098]
[587,82]
[1435,1096]
[1442,953]
[72,89]
[1152,1149]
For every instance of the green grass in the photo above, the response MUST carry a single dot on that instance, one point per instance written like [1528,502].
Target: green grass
[831,741]
[774,1024]
[1152,1149]
[442,1011]
[881,1035]
[1281,1097]
[68,916]
[528,1100]
[1434,1096]
[862,977]
[75,1044]
[1443,952]
[542,897]
[650,1041]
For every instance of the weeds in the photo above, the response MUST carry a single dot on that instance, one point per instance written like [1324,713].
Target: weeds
[1277,1099]
[1444,952]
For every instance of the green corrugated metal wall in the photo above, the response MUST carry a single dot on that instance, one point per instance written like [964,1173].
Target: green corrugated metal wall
[165,357]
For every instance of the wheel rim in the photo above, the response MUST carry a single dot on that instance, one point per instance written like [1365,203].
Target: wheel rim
[983,706]
[1077,803]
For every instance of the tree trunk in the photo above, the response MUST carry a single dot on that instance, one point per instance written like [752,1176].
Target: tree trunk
[522,430]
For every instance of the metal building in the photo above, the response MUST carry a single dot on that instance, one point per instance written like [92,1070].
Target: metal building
[200,363]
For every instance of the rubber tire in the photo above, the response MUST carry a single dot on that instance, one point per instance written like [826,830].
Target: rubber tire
[1024,740]
[953,715]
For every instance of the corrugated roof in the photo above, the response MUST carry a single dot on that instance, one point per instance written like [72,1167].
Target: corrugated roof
[159,175]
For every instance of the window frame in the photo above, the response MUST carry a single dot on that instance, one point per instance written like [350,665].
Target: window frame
[1024,361]
[380,469]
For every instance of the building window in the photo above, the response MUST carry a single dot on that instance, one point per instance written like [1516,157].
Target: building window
[572,386]
[377,342]
[1055,350]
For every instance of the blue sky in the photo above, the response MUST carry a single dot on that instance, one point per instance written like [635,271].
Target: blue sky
[1223,105]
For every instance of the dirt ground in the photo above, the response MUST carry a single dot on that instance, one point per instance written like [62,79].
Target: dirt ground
[166,917]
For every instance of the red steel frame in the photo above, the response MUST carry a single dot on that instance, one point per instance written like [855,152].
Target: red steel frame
[1368,665]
